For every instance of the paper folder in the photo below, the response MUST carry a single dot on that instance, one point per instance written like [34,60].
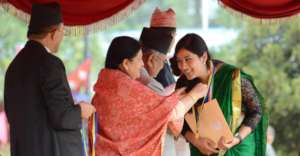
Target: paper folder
[212,123]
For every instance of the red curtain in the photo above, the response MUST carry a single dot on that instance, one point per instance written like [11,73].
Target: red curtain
[87,12]
[82,12]
[266,9]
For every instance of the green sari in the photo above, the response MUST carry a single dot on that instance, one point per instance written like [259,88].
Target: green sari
[255,143]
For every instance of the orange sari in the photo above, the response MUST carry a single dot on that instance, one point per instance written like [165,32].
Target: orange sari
[132,119]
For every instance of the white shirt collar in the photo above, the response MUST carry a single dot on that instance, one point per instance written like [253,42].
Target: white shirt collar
[48,50]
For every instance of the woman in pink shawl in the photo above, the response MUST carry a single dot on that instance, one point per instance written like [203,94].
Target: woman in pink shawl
[132,119]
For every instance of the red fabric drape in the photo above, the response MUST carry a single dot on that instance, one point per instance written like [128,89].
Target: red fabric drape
[87,12]
[264,9]
[80,12]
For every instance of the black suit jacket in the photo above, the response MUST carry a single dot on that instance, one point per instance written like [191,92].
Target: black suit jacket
[43,118]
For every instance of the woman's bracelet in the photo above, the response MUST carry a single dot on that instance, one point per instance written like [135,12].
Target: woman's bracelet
[237,135]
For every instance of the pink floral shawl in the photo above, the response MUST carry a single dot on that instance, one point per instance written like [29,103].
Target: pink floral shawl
[132,119]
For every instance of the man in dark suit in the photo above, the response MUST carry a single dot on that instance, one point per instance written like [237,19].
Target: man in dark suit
[44,121]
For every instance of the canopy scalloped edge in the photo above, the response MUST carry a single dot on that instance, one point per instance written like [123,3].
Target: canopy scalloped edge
[255,19]
[80,29]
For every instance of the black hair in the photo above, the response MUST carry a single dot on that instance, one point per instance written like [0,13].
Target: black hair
[121,48]
[42,33]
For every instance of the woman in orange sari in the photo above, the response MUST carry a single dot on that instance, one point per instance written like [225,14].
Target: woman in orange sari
[132,118]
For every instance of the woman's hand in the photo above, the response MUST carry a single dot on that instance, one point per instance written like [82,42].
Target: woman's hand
[223,145]
[199,90]
[180,92]
[206,146]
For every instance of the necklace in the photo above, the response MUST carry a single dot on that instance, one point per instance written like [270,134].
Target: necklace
[207,97]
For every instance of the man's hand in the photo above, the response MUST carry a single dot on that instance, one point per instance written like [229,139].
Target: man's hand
[86,109]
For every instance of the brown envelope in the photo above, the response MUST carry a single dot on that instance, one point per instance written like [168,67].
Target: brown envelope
[212,123]
[190,119]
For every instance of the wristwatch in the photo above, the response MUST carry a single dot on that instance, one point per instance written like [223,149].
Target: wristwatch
[237,135]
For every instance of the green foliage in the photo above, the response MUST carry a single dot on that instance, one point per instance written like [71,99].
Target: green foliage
[223,18]
[12,33]
[187,15]
[98,57]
